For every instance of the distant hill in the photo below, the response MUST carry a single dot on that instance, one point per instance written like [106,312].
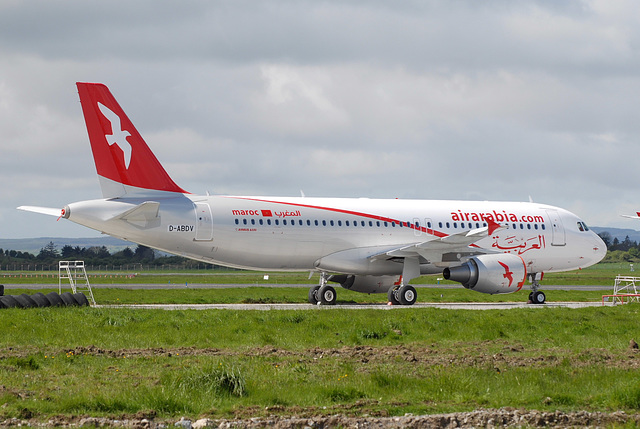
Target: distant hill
[619,233]
[34,245]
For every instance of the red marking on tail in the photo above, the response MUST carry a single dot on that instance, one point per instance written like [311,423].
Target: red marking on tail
[119,151]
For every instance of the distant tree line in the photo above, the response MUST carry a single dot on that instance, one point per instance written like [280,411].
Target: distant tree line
[625,250]
[95,255]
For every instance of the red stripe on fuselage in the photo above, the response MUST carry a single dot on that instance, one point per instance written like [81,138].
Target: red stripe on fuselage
[350,212]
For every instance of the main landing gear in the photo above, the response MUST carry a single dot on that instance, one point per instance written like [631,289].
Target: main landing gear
[402,295]
[536,296]
[323,293]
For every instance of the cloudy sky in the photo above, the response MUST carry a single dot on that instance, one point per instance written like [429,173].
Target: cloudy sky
[491,100]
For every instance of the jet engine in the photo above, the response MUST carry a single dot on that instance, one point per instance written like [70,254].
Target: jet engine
[366,284]
[503,273]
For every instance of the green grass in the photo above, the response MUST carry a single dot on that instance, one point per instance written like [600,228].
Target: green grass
[599,274]
[223,363]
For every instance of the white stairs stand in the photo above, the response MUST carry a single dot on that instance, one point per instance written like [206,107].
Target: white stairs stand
[625,287]
[74,271]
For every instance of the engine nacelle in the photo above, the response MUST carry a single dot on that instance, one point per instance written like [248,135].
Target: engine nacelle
[503,273]
[366,284]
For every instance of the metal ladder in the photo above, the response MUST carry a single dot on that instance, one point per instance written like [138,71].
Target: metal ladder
[74,271]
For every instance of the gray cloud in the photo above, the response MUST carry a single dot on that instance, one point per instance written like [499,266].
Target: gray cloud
[464,99]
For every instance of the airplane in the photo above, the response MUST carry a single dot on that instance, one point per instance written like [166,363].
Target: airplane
[365,245]
[637,216]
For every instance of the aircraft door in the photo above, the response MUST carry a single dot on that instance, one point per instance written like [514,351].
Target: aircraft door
[421,228]
[557,229]
[204,222]
[417,230]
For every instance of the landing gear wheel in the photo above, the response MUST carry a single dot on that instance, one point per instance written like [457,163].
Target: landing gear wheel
[407,295]
[538,297]
[327,295]
[313,295]
[391,295]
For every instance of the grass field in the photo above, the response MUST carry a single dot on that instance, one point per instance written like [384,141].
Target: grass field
[225,363]
[222,363]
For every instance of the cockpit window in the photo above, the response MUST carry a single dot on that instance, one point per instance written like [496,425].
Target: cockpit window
[582,226]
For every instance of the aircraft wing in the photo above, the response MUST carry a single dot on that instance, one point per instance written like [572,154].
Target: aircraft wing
[435,250]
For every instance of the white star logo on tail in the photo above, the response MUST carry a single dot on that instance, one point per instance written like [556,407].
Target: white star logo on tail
[118,136]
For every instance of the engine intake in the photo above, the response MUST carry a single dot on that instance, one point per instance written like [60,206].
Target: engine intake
[492,274]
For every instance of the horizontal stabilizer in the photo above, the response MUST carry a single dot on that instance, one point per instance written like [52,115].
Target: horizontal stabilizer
[42,210]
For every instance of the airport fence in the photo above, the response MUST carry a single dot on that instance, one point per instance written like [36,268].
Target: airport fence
[127,268]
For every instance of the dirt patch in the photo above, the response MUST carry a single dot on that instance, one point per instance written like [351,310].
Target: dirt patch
[464,355]
[504,417]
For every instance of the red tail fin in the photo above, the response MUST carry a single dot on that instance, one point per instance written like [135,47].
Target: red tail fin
[123,160]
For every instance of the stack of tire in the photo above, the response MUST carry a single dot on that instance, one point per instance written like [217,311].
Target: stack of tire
[52,299]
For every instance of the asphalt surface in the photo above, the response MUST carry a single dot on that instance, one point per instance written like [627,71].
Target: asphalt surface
[448,306]
[235,285]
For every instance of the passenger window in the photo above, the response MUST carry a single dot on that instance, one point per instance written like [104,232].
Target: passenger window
[237,221]
[455,224]
[284,222]
[362,222]
[324,223]
[268,221]
[277,222]
[253,221]
[543,227]
[331,222]
[370,223]
[346,223]
[535,226]
[521,226]
[428,224]
[316,222]
[261,222]
[244,221]
[300,222]
[439,224]
[528,226]
[448,225]
[339,223]
[417,224]
[378,223]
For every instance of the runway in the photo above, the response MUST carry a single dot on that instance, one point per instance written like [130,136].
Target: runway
[310,307]
[188,285]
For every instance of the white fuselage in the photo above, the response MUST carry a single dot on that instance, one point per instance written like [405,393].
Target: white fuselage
[299,234]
